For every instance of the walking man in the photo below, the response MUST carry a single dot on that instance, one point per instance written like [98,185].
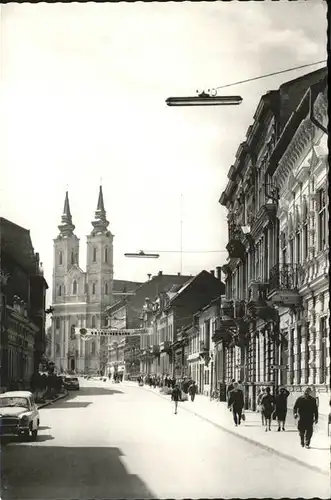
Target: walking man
[281,407]
[259,399]
[236,402]
[175,396]
[306,407]
[267,405]
[193,389]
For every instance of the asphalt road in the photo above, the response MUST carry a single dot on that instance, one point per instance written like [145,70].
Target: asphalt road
[122,441]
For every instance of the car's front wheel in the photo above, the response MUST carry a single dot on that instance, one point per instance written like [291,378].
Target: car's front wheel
[25,434]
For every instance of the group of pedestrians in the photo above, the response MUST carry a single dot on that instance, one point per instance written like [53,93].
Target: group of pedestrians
[275,407]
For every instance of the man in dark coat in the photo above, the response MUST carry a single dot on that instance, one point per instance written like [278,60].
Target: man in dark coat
[281,407]
[175,396]
[306,407]
[267,408]
[236,402]
[193,389]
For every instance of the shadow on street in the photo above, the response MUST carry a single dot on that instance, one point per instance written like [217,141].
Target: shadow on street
[46,473]
[83,391]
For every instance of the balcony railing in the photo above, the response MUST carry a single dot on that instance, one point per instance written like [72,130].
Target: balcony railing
[284,277]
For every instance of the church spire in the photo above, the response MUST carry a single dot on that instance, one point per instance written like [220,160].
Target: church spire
[66,227]
[100,223]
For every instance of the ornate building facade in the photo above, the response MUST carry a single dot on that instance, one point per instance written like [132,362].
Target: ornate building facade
[80,298]
[251,342]
[301,178]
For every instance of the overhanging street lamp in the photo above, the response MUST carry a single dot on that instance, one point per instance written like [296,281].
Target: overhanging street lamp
[205,99]
[142,255]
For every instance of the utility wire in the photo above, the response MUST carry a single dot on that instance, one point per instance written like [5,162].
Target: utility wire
[269,74]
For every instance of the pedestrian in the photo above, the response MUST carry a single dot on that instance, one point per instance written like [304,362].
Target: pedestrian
[192,390]
[259,398]
[281,407]
[267,406]
[306,408]
[175,396]
[236,403]
[229,389]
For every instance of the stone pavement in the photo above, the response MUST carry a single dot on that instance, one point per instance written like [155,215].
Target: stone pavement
[285,444]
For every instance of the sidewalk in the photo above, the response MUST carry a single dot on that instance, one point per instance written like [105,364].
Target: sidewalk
[50,401]
[285,444]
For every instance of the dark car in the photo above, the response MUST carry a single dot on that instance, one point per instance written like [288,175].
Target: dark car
[71,383]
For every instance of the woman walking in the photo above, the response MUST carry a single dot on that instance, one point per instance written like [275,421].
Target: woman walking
[259,399]
[175,396]
[281,407]
[267,404]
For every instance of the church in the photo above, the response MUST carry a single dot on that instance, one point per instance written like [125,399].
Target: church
[80,297]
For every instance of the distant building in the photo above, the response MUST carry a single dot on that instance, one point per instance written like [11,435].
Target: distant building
[23,298]
[81,297]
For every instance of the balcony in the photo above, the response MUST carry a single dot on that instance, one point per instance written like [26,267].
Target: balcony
[235,248]
[283,285]
[165,346]
[258,305]
[155,350]
[266,213]
[233,308]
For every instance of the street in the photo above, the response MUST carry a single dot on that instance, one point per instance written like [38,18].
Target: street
[122,441]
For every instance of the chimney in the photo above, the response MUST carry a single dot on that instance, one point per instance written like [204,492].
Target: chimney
[212,272]
[160,273]
[218,273]
[178,274]
[149,276]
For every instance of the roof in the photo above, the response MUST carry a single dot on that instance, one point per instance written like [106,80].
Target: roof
[16,394]
[15,242]
[130,286]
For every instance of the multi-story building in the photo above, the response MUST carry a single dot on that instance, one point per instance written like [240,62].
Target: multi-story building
[299,283]
[170,316]
[23,298]
[80,298]
[248,329]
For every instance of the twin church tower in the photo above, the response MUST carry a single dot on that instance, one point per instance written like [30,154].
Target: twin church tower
[80,298]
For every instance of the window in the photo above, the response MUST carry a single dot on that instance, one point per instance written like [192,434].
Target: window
[72,258]
[94,256]
[93,288]
[93,348]
[284,248]
[106,254]
[321,219]
[298,356]
[324,349]
[57,323]
[60,258]
[74,287]
[305,241]
[298,248]
[291,250]
[57,349]
[93,323]
[60,291]
[106,288]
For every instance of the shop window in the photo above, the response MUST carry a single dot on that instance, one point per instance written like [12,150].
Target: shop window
[321,219]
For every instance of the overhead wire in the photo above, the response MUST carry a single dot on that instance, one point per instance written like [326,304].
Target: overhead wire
[269,74]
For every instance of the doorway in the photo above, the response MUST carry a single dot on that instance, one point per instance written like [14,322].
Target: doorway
[72,365]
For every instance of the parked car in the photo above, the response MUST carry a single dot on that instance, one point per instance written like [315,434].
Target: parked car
[71,383]
[19,415]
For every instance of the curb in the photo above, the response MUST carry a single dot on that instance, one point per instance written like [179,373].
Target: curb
[250,440]
[48,403]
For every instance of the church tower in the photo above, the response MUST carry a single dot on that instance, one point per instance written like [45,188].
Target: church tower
[66,253]
[99,266]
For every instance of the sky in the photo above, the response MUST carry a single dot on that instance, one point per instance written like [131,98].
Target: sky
[84,89]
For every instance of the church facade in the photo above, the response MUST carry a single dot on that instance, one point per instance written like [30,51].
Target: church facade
[80,297]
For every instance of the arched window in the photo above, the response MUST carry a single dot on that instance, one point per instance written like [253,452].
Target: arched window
[72,258]
[93,288]
[93,323]
[60,291]
[106,288]
[74,287]
[94,257]
[60,258]
[106,254]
